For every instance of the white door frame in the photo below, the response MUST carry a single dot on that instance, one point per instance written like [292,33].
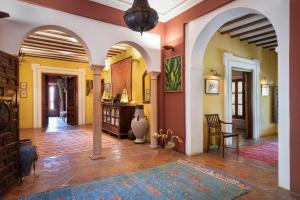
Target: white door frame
[38,70]
[232,62]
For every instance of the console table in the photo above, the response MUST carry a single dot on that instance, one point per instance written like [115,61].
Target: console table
[116,118]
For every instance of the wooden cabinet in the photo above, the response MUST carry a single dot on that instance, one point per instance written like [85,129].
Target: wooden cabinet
[116,119]
[9,127]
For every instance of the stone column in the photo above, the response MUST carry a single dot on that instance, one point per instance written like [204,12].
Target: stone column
[154,109]
[97,112]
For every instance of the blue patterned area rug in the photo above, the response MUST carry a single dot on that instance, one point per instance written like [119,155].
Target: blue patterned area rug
[177,181]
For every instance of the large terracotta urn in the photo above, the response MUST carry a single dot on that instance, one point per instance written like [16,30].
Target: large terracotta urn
[139,124]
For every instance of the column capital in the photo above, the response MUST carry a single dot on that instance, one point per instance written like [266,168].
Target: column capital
[153,74]
[96,68]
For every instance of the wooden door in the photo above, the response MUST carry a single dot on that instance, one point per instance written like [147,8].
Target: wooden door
[72,100]
[9,122]
[248,104]
[45,100]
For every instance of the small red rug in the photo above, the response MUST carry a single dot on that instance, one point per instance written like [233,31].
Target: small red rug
[265,152]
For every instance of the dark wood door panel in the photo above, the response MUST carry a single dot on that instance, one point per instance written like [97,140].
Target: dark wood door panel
[72,100]
[9,125]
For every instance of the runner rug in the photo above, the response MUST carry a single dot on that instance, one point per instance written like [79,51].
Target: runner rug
[265,152]
[177,180]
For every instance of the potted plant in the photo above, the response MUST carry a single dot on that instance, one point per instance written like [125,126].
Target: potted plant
[168,138]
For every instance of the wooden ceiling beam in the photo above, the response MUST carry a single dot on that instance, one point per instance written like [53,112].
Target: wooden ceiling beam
[245,26]
[56,41]
[52,44]
[112,54]
[258,35]
[269,42]
[3,14]
[263,39]
[45,47]
[252,31]
[51,52]
[270,46]
[54,54]
[56,37]
[114,51]
[24,47]
[54,57]
[238,19]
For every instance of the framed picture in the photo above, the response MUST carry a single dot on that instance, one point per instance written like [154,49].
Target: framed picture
[107,87]
[23,85]
[89,87]
[173,74]
[265,90]
[212,86]
[23,94]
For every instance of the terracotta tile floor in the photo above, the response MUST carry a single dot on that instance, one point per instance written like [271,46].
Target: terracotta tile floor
[125,157]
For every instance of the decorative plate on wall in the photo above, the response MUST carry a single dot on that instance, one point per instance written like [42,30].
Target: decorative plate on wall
[4,116]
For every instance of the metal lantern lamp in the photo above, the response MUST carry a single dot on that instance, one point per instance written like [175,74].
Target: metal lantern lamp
[141,17]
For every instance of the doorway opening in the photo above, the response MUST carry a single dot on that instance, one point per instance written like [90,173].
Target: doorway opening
[59,99]
[245,64]
[242,104]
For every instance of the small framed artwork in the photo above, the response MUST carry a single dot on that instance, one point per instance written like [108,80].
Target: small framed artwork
[265,90]
[107,87]
[23,94]
[23,85]
[212,86]
[173,74]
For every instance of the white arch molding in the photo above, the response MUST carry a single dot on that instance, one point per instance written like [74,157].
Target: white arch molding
[96,36]
[197,36]
[37,71]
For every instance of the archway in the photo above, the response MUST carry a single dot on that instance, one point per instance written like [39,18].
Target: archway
[198,34]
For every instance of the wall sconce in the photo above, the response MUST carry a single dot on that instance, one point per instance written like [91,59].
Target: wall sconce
[167,48]
[215,73]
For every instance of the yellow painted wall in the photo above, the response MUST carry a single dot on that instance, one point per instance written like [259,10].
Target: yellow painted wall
[214,60]
[138,69]
[25,75]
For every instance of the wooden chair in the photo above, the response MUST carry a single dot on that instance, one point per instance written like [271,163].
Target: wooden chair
[215,123]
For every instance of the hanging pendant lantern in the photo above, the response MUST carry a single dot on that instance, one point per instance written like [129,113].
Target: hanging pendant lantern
[141,17]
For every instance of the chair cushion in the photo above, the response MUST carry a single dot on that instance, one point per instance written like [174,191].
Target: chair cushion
[229,134]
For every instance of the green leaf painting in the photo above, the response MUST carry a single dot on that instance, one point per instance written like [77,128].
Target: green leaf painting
[173,76]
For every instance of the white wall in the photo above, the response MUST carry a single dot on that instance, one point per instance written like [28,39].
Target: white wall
[198,34]
[98,36]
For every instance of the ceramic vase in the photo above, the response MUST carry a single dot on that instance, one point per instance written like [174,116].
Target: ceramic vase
[28,155]
[139,124]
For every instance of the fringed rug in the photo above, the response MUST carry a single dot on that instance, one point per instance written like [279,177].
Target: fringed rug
[177,181]
[265,152]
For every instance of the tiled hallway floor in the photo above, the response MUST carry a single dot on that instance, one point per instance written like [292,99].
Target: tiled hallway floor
[125,157]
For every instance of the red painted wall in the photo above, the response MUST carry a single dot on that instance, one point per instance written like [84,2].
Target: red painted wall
[295,94]
[172,113]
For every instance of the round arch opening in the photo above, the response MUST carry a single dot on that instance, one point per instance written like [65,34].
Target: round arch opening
[125,79]
[198,35]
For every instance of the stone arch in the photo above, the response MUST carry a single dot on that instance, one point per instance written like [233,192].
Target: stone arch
[198,34]
[65,30]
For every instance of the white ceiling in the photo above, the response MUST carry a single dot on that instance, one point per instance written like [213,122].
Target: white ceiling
[167,9]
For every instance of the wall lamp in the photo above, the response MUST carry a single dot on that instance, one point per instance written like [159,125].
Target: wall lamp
[215,73]
[167,48]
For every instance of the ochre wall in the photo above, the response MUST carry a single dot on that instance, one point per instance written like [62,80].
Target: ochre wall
[268,68]
[25,75]
[138,69]
[295,94]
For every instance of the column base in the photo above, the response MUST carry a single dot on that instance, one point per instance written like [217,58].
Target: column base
[96,156]
[153,146]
